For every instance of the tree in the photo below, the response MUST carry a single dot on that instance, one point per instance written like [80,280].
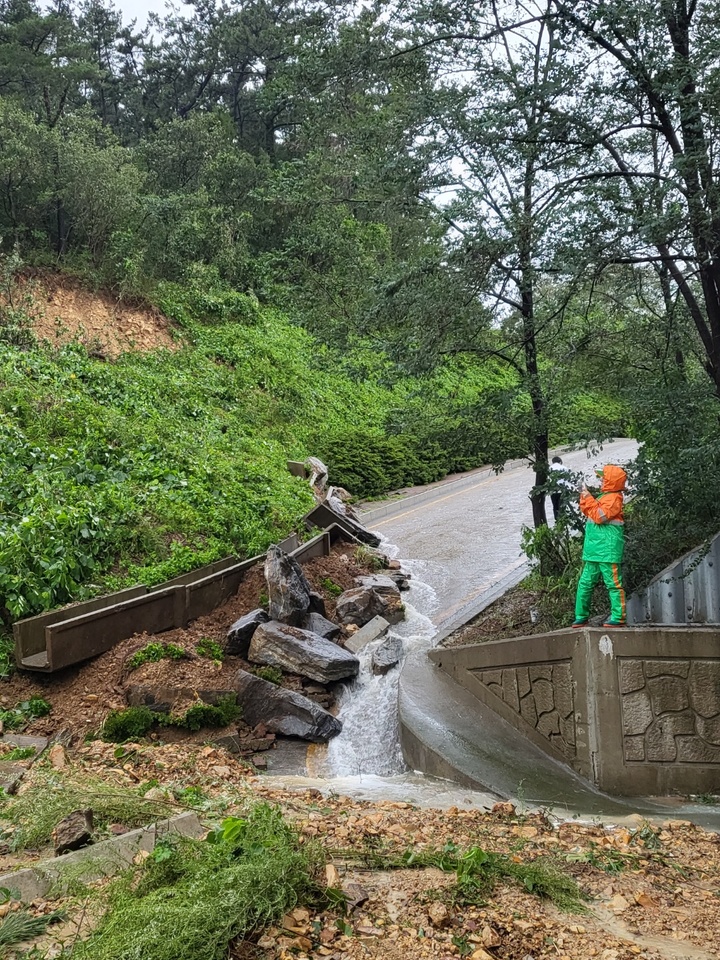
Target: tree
[650,110]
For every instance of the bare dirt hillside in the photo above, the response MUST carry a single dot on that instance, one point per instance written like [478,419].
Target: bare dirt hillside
[64,311]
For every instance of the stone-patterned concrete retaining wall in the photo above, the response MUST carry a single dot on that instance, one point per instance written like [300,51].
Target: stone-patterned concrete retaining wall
[636,711]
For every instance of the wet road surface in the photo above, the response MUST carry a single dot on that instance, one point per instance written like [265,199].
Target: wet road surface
[468,535]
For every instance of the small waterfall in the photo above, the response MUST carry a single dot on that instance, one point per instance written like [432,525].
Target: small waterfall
[369,743]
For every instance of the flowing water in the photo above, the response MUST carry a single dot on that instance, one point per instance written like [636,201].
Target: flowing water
[368,707]
[365,759]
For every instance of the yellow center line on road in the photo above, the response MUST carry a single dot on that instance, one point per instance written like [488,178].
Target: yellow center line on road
[399,516]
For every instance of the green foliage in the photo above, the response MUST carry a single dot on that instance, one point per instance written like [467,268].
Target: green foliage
[22,713]
[7,654]
[200,715]
[130,724]
[135,722]
[271,674]
[19,753]
[206,647]
[329,586]
[195,897]
[153,652]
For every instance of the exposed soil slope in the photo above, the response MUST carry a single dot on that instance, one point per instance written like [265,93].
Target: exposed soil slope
[66,311]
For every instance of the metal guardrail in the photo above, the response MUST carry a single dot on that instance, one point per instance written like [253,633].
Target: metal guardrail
[687,592]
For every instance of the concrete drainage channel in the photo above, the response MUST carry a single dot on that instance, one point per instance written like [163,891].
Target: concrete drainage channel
[99,860]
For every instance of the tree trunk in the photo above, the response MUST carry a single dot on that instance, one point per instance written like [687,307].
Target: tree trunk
[540,442]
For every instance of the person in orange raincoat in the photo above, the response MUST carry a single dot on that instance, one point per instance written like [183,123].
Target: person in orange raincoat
[604,546]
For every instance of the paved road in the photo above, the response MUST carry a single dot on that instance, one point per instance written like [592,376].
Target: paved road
[468,534]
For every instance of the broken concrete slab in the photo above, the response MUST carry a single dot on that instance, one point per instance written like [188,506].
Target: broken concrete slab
[377,627]
[100,860]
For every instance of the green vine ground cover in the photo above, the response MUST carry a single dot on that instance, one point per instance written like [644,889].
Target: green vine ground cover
[143,468]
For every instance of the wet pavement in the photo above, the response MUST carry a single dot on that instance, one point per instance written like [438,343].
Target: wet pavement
[462,542]
[467,533]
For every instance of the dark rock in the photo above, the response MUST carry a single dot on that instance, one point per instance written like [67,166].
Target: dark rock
[299,651]
[361,604]
[387,655]
[259,762]
[317,603]
[358,606]
[380,582]
[230,742]
[317,623]
[240,633]
[283,711]
[402,579]
[73,831]
[288,590]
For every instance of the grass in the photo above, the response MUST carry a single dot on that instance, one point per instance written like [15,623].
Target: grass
[192,898]
[154,652]
[19,753]
[478,872]
[33,814]
[21,925]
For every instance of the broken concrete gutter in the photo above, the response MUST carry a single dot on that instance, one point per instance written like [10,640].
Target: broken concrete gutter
[99,860]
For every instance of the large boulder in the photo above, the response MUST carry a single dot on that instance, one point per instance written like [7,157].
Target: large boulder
[283,711]
[387,655]
[240,633]
[362,603]
[288,590]
[302,652]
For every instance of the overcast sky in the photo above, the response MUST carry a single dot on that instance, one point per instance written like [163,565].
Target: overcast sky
[139,9]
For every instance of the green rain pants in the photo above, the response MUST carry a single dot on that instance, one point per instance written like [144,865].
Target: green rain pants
[591,572]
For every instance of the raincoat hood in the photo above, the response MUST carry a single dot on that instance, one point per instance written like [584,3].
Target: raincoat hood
[614,479]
